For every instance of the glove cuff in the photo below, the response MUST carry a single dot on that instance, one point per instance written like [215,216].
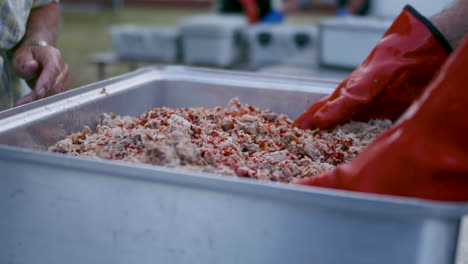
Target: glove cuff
[437,34]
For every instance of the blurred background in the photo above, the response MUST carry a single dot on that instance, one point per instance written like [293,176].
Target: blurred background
[325,38]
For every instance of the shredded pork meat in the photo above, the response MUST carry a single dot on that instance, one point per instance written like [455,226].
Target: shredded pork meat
[236,140]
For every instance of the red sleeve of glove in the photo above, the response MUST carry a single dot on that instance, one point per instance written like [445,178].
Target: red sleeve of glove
[390,78]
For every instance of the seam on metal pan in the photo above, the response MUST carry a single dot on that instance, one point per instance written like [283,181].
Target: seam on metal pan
[249,76]
[76,100]
[211,182]
[251,83]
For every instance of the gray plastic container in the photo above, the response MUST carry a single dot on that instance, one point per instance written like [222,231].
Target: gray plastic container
[265,46]
[275,43]
[299,38]
[346,42]
[212,40]
[63,209]
[391,9]
[146,42]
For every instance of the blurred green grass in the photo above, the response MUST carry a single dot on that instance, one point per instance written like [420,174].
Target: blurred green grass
[85,33]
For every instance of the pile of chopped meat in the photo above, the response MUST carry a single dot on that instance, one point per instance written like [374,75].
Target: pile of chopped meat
[236,140]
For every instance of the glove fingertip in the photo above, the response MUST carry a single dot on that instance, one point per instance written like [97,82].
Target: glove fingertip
[327,180]
[304,122]
[337,112]
[325,121]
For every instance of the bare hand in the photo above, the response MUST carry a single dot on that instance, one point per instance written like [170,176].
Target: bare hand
[43,68]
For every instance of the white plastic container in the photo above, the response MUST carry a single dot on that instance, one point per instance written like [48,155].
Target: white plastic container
[264,45]
[144,42]
[298,38]
[128,42]
[428,8]
[346,42]
[272,44]
[163,44]
[212,40]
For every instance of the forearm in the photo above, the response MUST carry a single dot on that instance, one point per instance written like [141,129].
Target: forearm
[44,23]
[453,22]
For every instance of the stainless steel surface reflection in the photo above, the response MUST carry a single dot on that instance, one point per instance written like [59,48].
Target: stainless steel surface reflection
[62,209]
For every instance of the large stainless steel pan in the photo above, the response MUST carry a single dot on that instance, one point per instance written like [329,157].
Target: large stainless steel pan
[62,209]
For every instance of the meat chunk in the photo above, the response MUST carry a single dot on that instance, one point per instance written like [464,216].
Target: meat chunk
[236,140]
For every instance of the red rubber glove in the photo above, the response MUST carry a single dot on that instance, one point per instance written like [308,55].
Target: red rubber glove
[425,154]
[390,78]
[251,10]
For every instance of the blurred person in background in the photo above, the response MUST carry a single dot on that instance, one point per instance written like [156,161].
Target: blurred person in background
[267,11]
[353,7]
[413,77]
[344,7]
[29,30]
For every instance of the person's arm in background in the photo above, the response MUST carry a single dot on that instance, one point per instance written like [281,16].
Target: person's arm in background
[42,66]
[387,82]
[354,6]
[453,22]
[291,5]
[251,10]
[349,7]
